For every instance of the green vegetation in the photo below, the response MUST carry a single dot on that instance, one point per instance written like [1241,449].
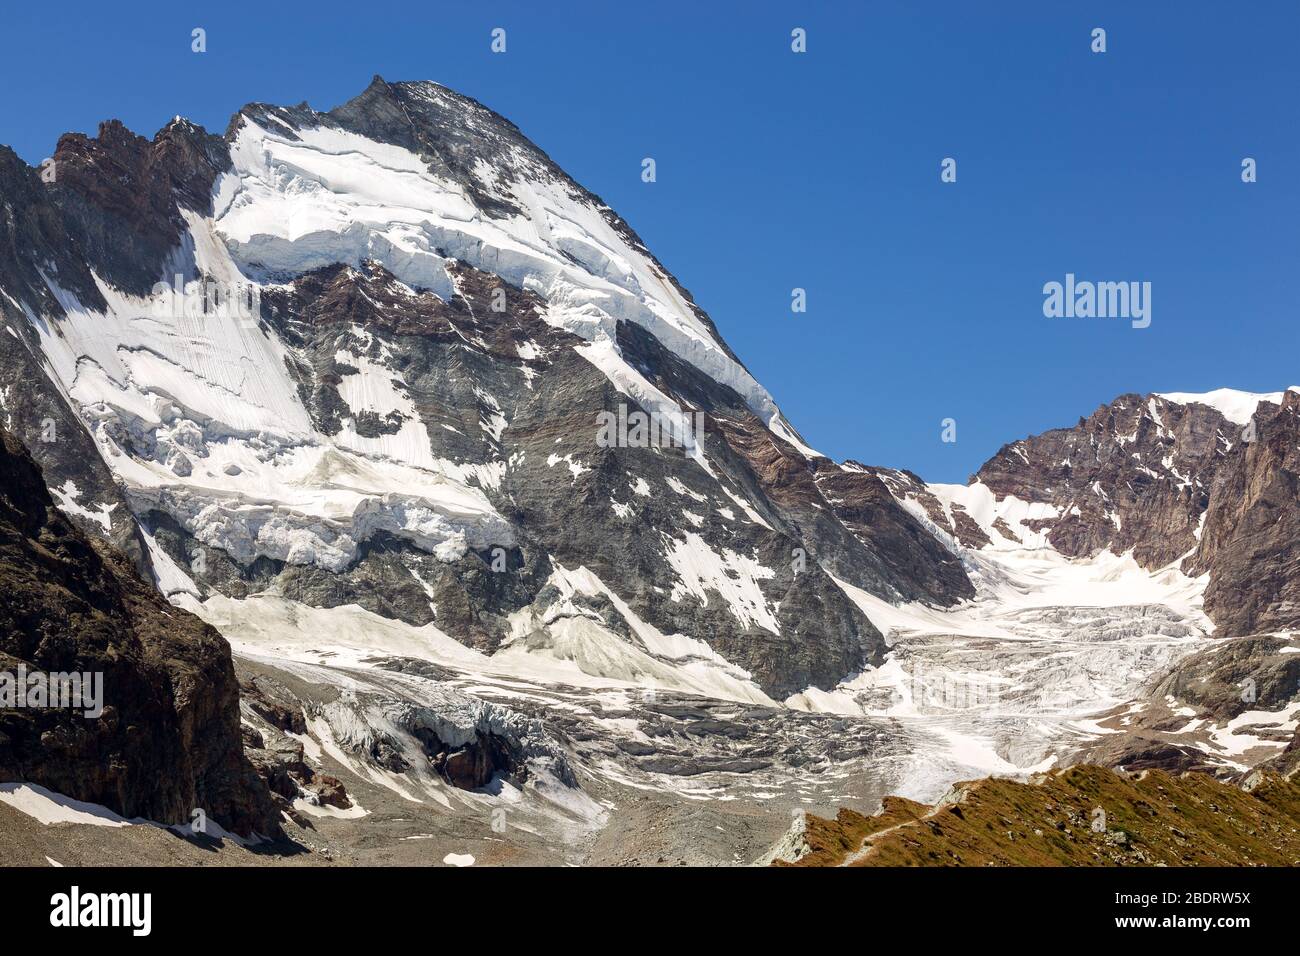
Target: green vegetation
[1081,816]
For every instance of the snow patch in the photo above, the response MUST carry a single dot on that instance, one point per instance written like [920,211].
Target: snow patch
[1234,405]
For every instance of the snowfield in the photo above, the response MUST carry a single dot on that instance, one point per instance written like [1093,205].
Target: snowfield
[1236,406]
[198,416]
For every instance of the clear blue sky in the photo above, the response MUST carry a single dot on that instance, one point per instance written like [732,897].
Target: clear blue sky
[821,170]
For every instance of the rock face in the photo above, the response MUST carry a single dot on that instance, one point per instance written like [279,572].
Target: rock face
[168,739]
[38,239]
[410,418]
[1178,480]
[1205,483]
[123,195]
[1224,709]
[1250,544]
[1135,475]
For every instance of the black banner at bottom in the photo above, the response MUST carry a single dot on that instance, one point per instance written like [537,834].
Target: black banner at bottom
[811,907]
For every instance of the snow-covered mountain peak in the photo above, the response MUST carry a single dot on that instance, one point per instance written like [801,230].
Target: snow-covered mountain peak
[414,176]
[406,415]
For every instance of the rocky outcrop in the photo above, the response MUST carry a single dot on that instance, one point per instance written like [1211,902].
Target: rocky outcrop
[1135,475]
[273,728]
[167,742]
[123,194]
[1173,480]
[1235,676]
[948,522]
[1250,544]
[902,554]
[1137,751]
[1223,709]
[38,240]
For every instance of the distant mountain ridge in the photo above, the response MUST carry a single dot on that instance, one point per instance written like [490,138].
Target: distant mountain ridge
[1202,482]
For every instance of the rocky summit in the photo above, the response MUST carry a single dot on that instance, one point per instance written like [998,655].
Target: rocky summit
[411,509]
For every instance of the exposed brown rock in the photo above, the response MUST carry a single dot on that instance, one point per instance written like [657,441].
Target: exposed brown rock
[169,740]
[125,193]
[1137,471]
[1251,541]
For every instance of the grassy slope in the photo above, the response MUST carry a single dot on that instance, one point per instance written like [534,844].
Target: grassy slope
[1150,818]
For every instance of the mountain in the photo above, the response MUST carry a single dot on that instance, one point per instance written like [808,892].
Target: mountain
[1197,494]
[492,521]
[1203,482]
[441,316]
